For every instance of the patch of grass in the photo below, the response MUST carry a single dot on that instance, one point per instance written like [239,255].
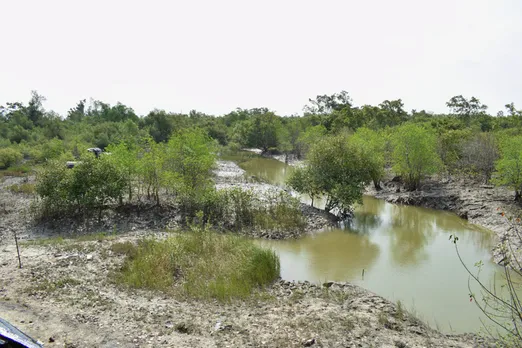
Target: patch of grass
[22,188]
[50,286]
[16,171]
[199,264]
[95,237]
[124,248]
[53,241]
[385,321]
[400,313]
[280,211]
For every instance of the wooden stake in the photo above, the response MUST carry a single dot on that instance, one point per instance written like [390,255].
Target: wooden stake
[17,250]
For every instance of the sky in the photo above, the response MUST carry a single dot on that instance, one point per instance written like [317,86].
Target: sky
[215,56]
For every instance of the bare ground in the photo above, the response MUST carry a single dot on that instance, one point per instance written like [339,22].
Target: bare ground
[65,296]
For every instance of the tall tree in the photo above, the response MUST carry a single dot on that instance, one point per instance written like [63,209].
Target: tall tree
[465,109]
[372,145]
[35,110]
[414,154]
[264,131]
[335,168]
[325,104]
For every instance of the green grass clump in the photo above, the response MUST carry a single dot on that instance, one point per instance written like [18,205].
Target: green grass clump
[200,264]
[22,188]
[16,171]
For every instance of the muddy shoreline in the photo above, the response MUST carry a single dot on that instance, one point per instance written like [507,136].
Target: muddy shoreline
[480,204]
[65,296]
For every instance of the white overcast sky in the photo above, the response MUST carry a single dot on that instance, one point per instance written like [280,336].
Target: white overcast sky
[214,56]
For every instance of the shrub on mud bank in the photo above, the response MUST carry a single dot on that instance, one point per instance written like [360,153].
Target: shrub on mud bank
[9,157]
[200,265]
[86,188]
[237,209]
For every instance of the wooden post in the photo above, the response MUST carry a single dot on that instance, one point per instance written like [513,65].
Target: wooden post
[17,249]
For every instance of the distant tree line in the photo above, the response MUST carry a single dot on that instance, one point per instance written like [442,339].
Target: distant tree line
[467,141]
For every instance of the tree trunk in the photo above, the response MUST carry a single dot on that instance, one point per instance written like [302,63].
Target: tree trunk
[518,196]
[377,185]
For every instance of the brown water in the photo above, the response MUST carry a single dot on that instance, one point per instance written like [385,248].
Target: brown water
[404,251]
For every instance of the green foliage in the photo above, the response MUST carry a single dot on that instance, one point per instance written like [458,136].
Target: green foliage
[414,153]
[50,150]
[9,157]
[449,148]
[89,186]
[466,109]
[239,210]
[311,136]
[124,157]
[372,145]
[200,265]
[264,131]
[335,168]
[302,181]
[190,158]
[509,166]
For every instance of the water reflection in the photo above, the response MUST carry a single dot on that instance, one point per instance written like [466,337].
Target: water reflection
[338,255]
[404,251]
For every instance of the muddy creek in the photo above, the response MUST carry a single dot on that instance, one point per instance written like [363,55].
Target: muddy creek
[402,253]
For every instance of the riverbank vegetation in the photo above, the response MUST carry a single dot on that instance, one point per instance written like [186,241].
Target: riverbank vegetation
[167,159]
[200,264]
[176,174]
[467,141]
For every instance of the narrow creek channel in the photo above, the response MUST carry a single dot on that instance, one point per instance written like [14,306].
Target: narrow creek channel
[404,251]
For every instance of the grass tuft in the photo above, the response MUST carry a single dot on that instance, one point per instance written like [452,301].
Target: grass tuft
[22,188]
[16,171]
[200,264]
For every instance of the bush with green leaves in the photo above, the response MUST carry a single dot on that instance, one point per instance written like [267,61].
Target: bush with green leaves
[509,166]
[335,169]
[9,157]
[90,186]
[372,144]
[414,153]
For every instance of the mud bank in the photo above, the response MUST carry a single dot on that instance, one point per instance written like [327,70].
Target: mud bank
[479,204]
[65,297]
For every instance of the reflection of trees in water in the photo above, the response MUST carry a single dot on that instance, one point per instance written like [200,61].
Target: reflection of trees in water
[334,255]
[341,254]
[411,230]
[270,170]
[364,223]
